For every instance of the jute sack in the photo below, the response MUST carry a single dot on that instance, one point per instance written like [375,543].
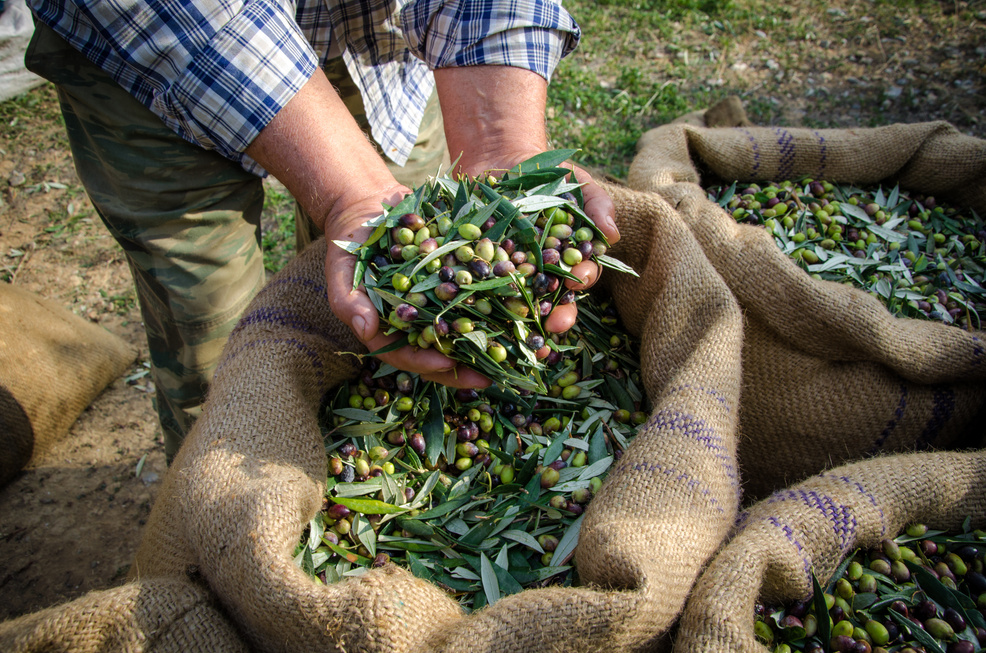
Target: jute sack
[829,376]
[158,615]
[53,363]
[813,526]
[251,474]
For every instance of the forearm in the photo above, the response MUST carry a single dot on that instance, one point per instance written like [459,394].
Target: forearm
[500,108]
[316,149]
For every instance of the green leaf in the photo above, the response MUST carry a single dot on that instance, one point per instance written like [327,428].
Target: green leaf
[616,264]
[428,283]
[523,537]
[441,251]
[316,528]
[618,392]
[478,338]
[348,555]
[506,582]
[568,542]
[349,245]
[824,626]
[916,631]
[537,203]
[946,596]
[444,508]
[554,449]
[416,527]
[561,272]
[597,446]
[358,414]
[434,428]
[527,471]
[365,534]
[532,180]
[596,469]
[369,506]
[347,490]
[549,159]
[491,587]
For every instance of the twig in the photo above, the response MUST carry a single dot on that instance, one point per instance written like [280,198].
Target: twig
[28,250]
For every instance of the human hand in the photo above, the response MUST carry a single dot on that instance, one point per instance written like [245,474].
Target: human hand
[494,119]
[355,308]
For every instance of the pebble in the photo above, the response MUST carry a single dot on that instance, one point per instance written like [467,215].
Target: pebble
[16,178]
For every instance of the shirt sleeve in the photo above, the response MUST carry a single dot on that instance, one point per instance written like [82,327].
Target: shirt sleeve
[214,72]
[531,34]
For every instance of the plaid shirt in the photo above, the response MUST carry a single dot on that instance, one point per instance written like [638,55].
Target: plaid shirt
[217,71]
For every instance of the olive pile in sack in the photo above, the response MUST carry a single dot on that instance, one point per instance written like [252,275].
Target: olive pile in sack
[923,591]
[479,492]
[923,259]
[472,267]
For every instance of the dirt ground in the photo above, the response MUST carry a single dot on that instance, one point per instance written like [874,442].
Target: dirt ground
[70,523]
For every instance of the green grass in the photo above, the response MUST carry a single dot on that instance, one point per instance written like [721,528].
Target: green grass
[613,89]
[277,233]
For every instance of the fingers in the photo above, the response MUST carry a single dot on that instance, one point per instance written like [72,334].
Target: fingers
[351,306]
[428,364]
[460,377]
[561,319]
[587,271]
[598,205]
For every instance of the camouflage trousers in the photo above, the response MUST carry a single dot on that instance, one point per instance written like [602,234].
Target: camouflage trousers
[188,219]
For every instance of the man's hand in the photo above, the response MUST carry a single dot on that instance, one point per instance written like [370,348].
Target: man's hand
[316,149]
[355,309]
[494,119]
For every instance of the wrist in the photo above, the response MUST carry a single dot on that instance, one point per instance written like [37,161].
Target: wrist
[493,114]
[316,149]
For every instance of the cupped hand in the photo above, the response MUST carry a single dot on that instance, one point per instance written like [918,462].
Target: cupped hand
[598,206]
[354,307]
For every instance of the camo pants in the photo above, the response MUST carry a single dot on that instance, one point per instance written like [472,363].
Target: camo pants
[188,219]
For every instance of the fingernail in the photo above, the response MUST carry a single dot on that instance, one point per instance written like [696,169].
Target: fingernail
[359,326]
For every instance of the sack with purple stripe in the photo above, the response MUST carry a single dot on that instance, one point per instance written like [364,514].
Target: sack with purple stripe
[829,375]
[811,527]
[252,473]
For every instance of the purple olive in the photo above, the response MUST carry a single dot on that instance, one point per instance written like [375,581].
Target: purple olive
[503,269]
[447,291]
[337,511]
[551,256]
[407,313]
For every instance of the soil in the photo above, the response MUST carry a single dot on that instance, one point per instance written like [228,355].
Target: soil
[71,521]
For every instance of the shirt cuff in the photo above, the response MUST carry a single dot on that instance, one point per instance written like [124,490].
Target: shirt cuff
[247,72]
[531,34]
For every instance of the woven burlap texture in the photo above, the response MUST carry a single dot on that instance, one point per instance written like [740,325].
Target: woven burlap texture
[168,615]
[53,363]
[810,527]
[252,473]
[829,376]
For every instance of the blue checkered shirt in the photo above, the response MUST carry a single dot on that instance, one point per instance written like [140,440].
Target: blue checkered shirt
[217,71]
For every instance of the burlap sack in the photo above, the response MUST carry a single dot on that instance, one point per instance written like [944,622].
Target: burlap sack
[53,363]
[252,472]
[812,526]
[159,616]
[829,376]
